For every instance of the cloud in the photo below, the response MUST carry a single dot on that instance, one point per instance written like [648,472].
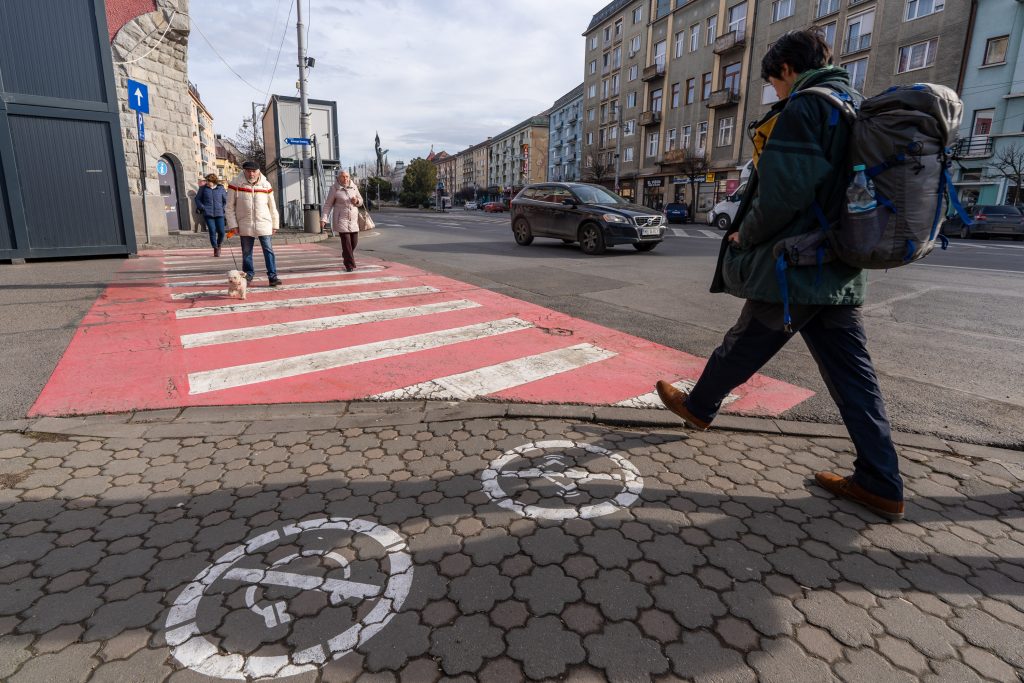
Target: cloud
[420,72]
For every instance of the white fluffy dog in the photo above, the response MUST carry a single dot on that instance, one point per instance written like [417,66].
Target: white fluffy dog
[237,284]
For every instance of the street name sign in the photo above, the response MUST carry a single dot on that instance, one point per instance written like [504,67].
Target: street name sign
[138,96]
[296,141]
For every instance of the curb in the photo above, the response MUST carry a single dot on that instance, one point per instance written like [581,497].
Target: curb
[201,239]
[234,420]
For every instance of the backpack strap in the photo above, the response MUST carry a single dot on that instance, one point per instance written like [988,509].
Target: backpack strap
[843,104]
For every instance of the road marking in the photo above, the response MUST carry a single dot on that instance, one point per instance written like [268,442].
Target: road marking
[199,268]
[652,400]
[902,297]
[255,373]
[296,303]
[217,293]
[986,270]
[289,272]
[190,341]
[495,378]
[566,474]
[711,233]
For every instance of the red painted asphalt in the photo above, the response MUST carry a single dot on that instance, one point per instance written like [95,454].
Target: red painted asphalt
[128,352]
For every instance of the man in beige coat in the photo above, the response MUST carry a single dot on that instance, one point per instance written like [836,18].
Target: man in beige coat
[343,201]
[252,212]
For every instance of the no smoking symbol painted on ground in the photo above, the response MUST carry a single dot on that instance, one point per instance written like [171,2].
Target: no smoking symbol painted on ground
[561,480]
[291,599]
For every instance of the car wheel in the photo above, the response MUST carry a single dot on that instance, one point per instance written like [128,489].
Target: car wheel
[591,239]
[963,233]
[521,231]
[722,221]
[645,246]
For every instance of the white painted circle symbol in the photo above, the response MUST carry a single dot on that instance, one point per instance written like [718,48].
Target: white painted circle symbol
[573,487]
[255,585]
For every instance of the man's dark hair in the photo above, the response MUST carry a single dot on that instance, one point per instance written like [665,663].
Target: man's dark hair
[802,50]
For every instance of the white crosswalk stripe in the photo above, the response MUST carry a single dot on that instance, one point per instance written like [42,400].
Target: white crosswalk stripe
[229,264]
[694,233]
[253,373]
[213,293]
[502,376]
[241,334]
[204,311]
[289,272]
[652,400]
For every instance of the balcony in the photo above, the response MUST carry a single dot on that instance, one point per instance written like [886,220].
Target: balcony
[976,147]
[856,44]
[650,118]
[673,156]
[654,71]
[730,41]
[723,98]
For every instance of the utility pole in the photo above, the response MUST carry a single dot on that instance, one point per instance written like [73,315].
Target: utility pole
[311,212]
[618,145]
[255,130]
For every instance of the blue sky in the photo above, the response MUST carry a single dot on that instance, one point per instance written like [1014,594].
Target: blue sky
[446,73]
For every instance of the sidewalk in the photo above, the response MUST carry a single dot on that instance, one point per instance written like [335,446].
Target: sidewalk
[494,542]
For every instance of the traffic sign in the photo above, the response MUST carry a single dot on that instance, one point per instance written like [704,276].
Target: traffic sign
[161,167]
[142,127]
[709,177]
[138,96]
[296,141]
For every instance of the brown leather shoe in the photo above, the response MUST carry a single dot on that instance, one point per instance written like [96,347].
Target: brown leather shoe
[216,251]
[846,487]
[675,401]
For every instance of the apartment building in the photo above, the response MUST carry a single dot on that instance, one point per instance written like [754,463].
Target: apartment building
[565,129]
[203,137]
[518,156]
[993,94]
[472,168]
[445,165]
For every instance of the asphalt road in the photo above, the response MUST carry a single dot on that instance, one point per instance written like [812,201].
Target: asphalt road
[946,334]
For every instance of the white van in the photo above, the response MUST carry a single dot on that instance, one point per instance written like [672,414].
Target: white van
[723,213]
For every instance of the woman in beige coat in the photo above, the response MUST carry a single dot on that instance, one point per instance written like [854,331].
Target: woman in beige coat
[343,202]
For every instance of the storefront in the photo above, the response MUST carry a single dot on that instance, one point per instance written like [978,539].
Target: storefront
[654,193]
[683,192]
[627,189]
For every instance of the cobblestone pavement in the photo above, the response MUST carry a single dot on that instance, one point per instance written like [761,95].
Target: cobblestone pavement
[385,543]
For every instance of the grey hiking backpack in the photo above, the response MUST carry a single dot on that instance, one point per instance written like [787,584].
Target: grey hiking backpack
[903,138]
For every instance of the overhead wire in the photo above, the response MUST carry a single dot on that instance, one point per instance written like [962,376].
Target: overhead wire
[219,56]
[273,73]
[155,45]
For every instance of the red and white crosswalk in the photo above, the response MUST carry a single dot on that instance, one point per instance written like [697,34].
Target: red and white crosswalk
[165,334]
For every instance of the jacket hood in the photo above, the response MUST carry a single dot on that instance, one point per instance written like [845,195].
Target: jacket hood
[823,76]
[240,181]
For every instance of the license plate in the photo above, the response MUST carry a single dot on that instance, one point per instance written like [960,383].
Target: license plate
[650,231]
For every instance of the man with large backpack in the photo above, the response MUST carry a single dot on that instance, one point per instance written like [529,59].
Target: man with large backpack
[798,184]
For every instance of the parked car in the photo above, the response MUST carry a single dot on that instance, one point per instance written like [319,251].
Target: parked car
[469,206]
[722,214]
[989,220]
[494,207]
[676,213]
[595,217]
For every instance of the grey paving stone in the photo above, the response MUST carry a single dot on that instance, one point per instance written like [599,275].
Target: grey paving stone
[805,570]
[25,549]
[547,590]
[144,665]
[849,624]
[624,654]
[479,589]
[738,561]
[545,647]
[13,651]
[953,671]
[404,638]
[673,554]
[702,659]
[819,642]
[549,545]
[56,609]
[114,568]
[865,666]
[692,605]
[782,660]
[18,595]
[63,560]
[987,664]
[617,594]
[929,579]
[768,613]
[985,631]
[114,617]
[902,654]
[929,634]
[880,580]
[73,664]
[463,646]
[610,548]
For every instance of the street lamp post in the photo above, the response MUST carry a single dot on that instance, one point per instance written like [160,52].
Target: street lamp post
[618,145]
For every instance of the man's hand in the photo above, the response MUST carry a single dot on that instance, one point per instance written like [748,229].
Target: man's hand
[323,223]
[734,238]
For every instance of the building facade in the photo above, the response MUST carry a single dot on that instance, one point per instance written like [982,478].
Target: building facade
[992,134]
[229,159]
[565,128]
[518,156]
[202,134]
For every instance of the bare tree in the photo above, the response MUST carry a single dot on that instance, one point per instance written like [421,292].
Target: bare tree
[248,140]
[599,171]
[694,168]
[1009,161]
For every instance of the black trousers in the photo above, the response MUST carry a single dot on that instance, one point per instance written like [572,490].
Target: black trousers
[836,339]
[348,248]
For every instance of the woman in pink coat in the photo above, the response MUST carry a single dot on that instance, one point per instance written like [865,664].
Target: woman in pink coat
[343,201]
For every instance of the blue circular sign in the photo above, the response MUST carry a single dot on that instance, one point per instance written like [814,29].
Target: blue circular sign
[161,167]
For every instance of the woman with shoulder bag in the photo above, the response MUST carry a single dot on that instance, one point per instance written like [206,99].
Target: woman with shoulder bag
[211,199]
[342,207]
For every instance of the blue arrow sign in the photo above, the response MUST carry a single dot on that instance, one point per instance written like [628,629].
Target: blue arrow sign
[138,96]
[296,141]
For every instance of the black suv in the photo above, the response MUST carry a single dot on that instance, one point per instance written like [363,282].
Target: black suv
[595,217]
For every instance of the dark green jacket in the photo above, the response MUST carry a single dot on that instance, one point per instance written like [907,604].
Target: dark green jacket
[804,160]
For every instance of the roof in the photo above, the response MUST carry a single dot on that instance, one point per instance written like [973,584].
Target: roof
[606,13]
[574,94]
[539,120]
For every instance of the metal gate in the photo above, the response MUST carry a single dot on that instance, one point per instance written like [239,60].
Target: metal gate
[63,184]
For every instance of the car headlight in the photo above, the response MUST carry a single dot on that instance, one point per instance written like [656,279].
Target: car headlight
[613,218]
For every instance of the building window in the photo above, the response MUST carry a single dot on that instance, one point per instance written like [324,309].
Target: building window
[662,8]
[782,9]
[828,32]
[917,56]
[617,59]
[731,77]
[826,7]
[593,42]
[858,72]
[702,136]
[637,15]
[725,126]
[593,66]
[983,122]
[618,28]
[995,50]
[922,8]
[627,154]
[604,62]
[768,95]
[680,42]
[684,142]
[652,144]
[634,71]
[660,48]
[615,85]
[711,29]
[590,115]
[675,96]
[604,88]
[705,89]
[629,127]
[656,100]
[601,135]
[691,90]
[590,138]
[631,99]
[694,37]
[858,32]
[634,45]
[670,140]
[592,90]
[607,34]
[738,18]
